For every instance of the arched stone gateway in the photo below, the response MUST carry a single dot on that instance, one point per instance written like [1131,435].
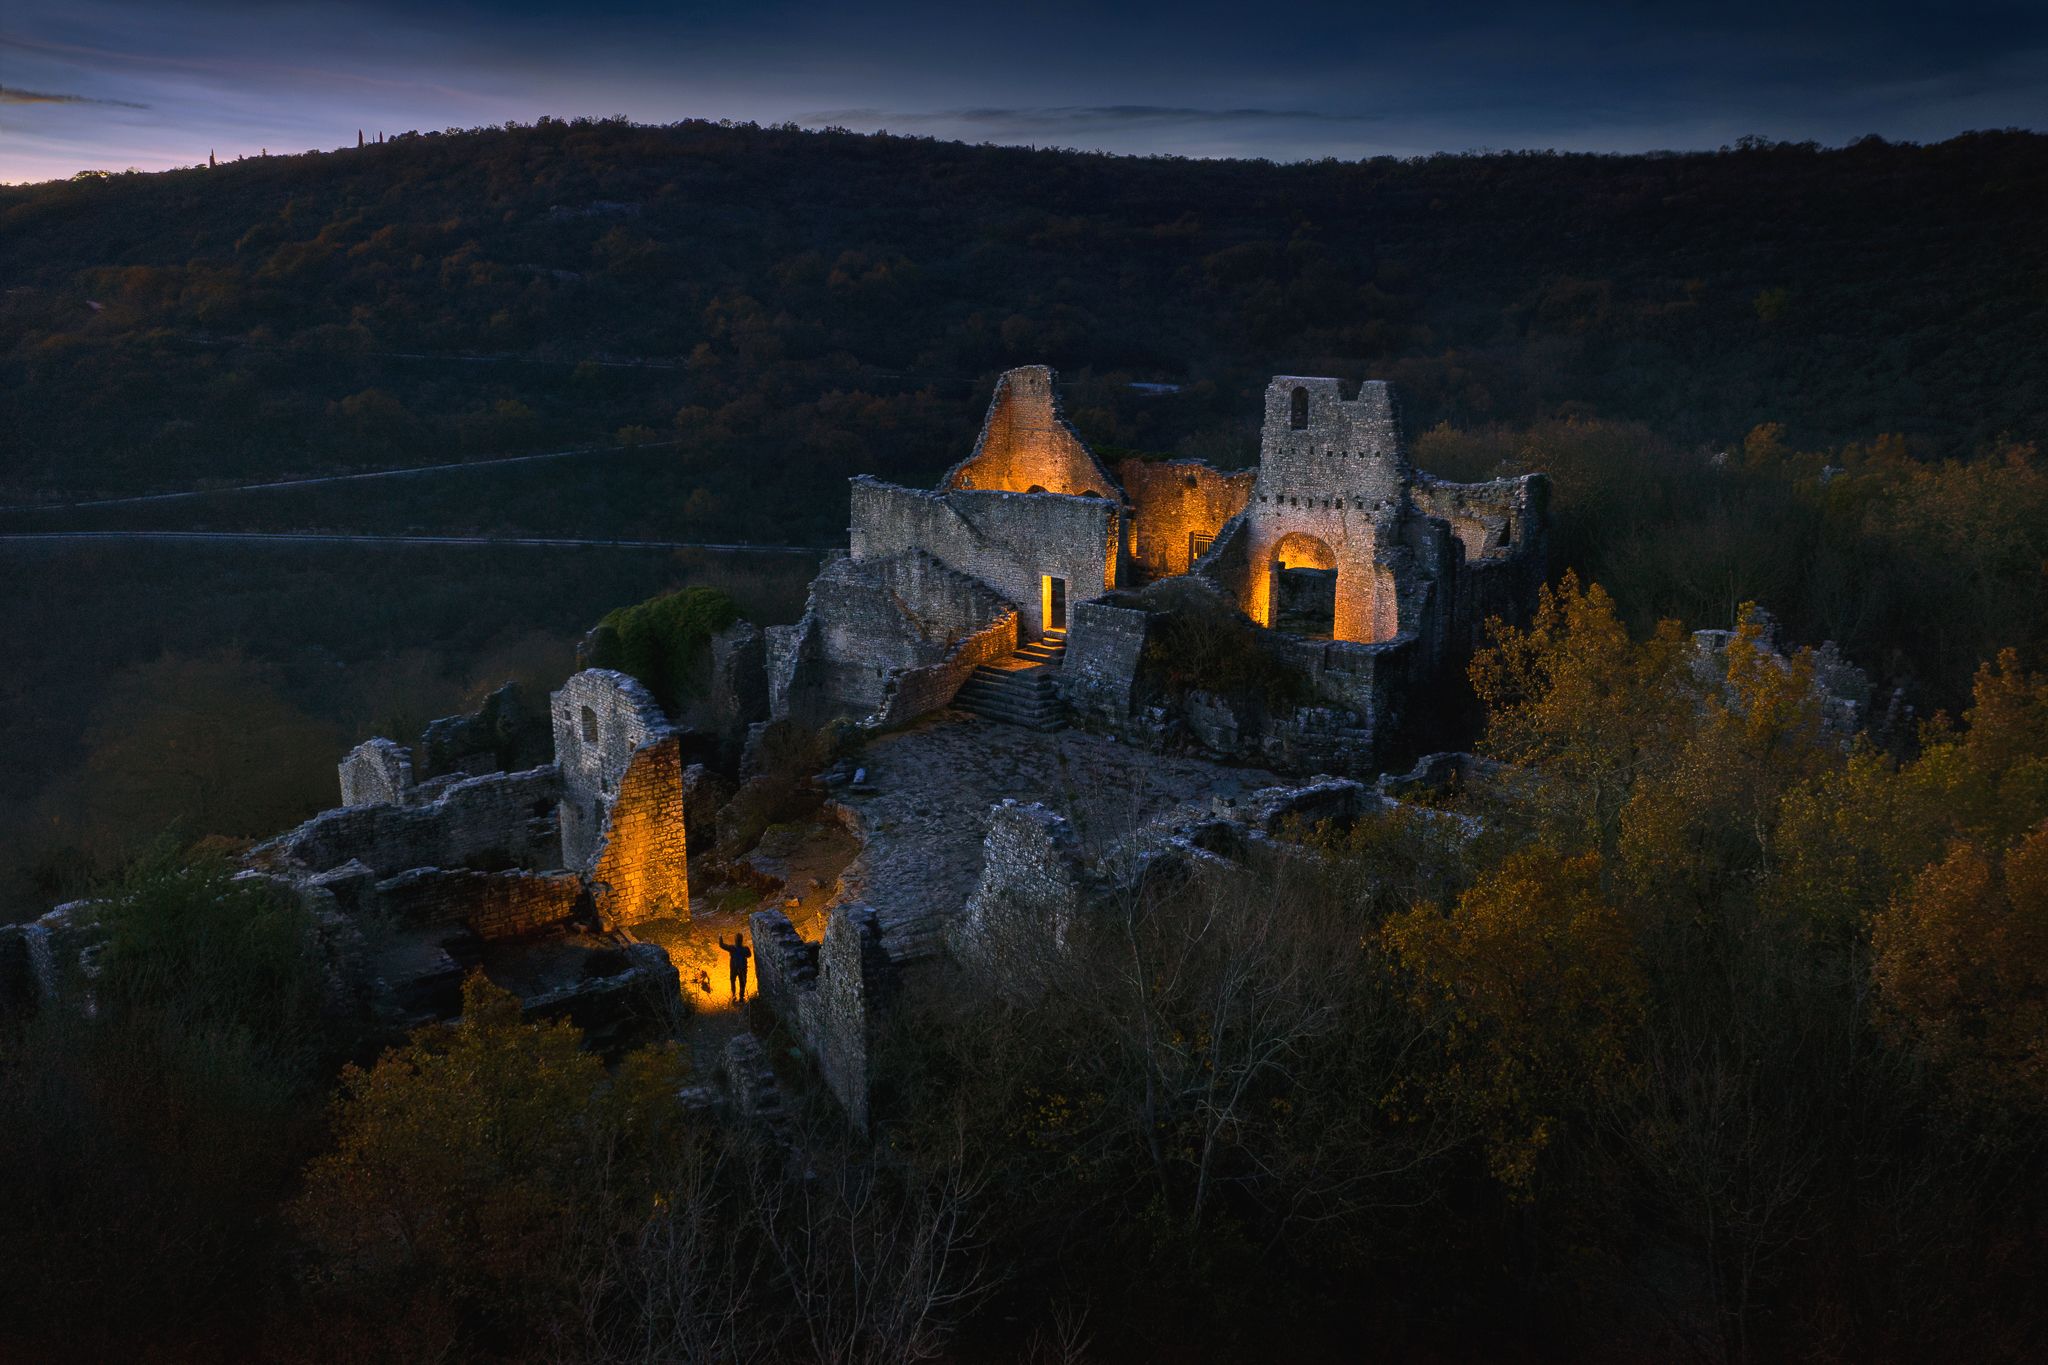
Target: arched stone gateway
[1302,586]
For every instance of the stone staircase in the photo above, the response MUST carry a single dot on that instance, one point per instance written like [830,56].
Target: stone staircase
[1022,689]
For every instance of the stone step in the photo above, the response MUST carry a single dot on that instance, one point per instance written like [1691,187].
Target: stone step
[979,700]
[972,696]
[1033,711]
[1011,684]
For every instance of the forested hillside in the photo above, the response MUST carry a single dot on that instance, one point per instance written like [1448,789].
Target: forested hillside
[814,305]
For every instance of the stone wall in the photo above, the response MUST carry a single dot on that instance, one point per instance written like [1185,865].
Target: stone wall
[601,718]
[1503,531]
[1026,445]
[1009,541]
[505,734]
[377,772]
[916,691]
[1104,647]
[494,822]
[739,678]
[641,867]
[881,639]
[833,996]
[491,905]
[1174,502]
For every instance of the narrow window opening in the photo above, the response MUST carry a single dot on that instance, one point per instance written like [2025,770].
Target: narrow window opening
[1298,416]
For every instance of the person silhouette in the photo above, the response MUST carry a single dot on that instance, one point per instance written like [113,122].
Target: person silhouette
[736,955]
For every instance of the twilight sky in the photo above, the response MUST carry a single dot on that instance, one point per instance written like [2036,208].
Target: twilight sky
[153,83]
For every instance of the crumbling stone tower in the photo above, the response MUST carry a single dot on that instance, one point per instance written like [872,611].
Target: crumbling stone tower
[1331,492]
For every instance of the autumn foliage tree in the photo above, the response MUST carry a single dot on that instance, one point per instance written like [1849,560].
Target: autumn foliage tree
[1532,981]
[1962,967]
[461,1158]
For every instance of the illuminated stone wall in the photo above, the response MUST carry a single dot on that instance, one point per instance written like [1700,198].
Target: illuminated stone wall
[641,870]
[1006,540]
[1027,446]
[600,717]
[1174,501]
[1331,492]
[623,822]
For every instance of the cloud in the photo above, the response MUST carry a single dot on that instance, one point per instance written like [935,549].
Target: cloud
[14,96]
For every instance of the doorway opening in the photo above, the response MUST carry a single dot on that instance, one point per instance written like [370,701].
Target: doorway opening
[1052,603]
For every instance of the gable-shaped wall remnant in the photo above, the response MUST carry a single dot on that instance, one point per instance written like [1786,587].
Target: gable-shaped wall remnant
[1026,445]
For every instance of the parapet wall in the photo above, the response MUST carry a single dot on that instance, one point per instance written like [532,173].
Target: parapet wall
[1009,541]
[1026,445]
[916,691]
[873,625]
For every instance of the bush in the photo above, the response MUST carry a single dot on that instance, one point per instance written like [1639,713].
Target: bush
[661,641]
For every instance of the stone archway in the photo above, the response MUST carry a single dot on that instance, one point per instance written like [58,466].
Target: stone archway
[1302,586]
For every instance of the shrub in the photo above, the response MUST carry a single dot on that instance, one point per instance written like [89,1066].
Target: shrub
[660,641]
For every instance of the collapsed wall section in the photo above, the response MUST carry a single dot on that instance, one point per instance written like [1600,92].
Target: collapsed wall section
[1014,543]
[1027,446]
[494,822]
[491,905]
[1026,908]
[505,734]
[833,996]
[1502,529]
